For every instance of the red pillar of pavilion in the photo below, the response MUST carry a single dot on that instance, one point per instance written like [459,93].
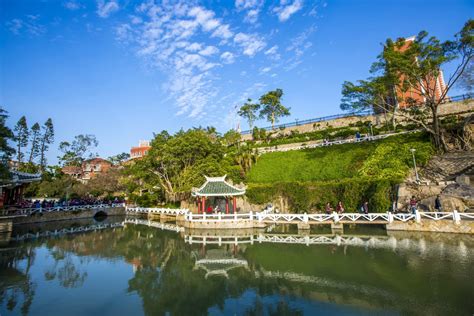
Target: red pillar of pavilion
[233,204]
[227,205]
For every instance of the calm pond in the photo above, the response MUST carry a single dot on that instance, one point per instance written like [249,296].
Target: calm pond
[136,269]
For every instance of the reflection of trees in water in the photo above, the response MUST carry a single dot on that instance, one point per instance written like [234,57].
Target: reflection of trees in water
[166,278]
[64,270]
[15,282]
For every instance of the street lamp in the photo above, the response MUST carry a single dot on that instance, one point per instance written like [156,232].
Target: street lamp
[371,131]
[414,164]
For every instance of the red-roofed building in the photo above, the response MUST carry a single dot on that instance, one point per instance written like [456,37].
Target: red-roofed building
[141,150]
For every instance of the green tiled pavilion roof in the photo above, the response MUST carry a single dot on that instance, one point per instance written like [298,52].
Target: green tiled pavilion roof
[217,187]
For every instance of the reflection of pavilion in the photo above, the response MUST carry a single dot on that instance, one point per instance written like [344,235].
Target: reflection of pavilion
[218,261]
[215,195]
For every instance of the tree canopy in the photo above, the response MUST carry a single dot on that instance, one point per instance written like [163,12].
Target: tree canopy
[414,68]
[272,109]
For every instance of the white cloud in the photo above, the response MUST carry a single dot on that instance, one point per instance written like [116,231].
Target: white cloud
[265,69]
[273,53]
[250,43]
[227,58]
[29,25]
[194,47]
[285,10]
[252,8]
[105,9]
[72,5]
[223,31]
[209,50]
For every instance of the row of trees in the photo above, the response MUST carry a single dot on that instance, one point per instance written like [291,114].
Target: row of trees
[415,68]
[32,144]
[269,107]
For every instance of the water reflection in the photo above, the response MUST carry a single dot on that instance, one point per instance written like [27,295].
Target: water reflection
[143,269]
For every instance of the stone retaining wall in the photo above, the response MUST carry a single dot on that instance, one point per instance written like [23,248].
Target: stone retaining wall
[441,226]
[65,215]
[453,108]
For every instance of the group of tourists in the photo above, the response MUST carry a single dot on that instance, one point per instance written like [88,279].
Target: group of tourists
[364,208]
[63,202]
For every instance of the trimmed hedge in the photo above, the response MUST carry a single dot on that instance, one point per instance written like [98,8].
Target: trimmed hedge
[312,196]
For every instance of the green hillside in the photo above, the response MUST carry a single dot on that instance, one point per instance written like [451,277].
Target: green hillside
[350,173]
[388,158]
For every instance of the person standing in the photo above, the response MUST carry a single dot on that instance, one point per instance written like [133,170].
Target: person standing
[438,206]
[413,204]
[328,208]
[340,207]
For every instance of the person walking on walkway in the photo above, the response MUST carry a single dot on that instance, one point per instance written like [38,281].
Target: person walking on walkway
[328,208]
[340,208]
[438,206]
[413,204]
[365,208]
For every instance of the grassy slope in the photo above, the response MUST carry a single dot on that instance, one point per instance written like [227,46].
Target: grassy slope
[338,162]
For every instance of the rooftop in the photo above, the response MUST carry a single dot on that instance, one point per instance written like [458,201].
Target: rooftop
[217,186]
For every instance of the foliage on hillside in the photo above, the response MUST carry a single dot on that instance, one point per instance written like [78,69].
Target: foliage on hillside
[350,173]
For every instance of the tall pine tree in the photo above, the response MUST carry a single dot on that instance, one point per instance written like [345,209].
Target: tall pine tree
[46,139]
[5,150]
[35,136]
[21,138]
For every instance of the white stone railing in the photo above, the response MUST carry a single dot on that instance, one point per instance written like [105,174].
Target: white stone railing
[163,226]
[218,217]
[336,142]
[157,210]
[29,211]
[267,216]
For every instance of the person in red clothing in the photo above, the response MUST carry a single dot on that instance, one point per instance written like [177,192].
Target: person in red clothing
[328,208]
[340,207]
[413,204]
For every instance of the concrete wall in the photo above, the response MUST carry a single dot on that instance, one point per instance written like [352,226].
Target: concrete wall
[460,107]
[65,215]
[441,226]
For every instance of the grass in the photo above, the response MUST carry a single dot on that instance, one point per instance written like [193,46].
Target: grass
[388,157]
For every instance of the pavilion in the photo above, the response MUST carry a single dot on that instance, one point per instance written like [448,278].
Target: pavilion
[12,189]
[215,193]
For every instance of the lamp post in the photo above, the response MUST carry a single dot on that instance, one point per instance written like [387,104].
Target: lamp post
[414,164]
[371,131]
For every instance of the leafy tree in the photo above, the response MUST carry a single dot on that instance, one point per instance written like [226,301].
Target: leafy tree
[119,158]
[46,140]
[272,108]
[466,81]
[5,150]
[34,142]
[416,68]
[248,111]
[375,94]
[78,150]
[177,163]
[231,137]
[21,138]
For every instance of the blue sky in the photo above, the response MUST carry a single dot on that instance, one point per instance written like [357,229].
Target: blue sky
[122,70]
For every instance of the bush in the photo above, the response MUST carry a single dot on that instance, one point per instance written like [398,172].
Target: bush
[312,196]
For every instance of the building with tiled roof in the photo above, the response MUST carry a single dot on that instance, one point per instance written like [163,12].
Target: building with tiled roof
[215,194]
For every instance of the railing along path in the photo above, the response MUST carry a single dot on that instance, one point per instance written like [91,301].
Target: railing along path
[269,217]
[29,211]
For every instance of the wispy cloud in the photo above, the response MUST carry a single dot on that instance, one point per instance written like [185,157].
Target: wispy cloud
[252,9]
[106,8]
[72,5]
[227,57]
[298,46]
[29,25]
[188,43]
[250,43]
[286,10]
